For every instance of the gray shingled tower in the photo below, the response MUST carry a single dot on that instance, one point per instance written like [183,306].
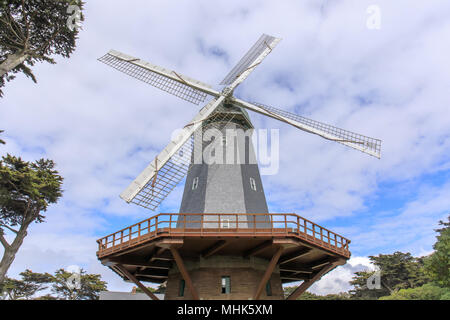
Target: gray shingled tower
[233,186]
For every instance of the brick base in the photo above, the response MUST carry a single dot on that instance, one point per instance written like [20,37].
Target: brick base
[206,274]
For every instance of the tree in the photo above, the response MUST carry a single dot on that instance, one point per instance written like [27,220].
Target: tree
[26,191]
[397,271]
[360,289]
[60,283]
[437,266]
[32,31]
[27,287]
[34,282]
[161,289]
[1,141]
[425,292]
[12,289]
[89,287]
[312,296]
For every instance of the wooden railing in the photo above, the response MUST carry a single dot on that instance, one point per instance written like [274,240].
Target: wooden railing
[224,224]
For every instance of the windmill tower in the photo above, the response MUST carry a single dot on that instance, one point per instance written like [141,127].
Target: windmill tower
[223,243]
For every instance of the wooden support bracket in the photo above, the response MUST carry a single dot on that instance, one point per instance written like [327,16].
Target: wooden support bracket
[184,273]
[136,281]
[307,283]
[268,273]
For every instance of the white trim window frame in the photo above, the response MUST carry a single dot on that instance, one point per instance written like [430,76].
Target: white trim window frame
[195,183]
[253,184]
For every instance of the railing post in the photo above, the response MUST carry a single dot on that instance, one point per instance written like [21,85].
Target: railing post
[121,237]
[271,223]
[285,224]
[298,225]
[201,223]
[114,239]
[156,225]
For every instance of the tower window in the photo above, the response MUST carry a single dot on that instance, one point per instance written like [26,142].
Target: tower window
[181,291]
[268,289]
[225,223]
[226,285]
[195,183]
[224,141]
[253,184]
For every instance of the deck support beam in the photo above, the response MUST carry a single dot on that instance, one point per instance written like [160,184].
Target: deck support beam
[157,253]
[219,245]
[136,281]
[268,273]
[259,248]
[184,273]
[295,255]
[308,283]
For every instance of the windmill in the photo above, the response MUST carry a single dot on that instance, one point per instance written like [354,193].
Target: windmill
[224,242]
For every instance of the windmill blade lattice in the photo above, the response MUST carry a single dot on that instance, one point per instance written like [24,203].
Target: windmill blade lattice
[173,171]
[141,70]
[248,61]
[357,141]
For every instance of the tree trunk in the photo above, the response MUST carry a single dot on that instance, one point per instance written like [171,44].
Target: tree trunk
[12,61]
[11,250]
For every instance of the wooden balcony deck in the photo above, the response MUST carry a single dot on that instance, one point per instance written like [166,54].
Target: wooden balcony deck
[223,225]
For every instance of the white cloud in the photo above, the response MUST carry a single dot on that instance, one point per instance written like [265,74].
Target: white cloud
[337,280]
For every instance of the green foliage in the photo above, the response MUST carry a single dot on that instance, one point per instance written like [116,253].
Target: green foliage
[1,141]
[27,189]
[90,286]
[425,292]
[161,289]
[398,271]
[12,289]
[31,283]
[446,296]
[437,266]
[312,296]
[35,29]
[24,289]
[361,292]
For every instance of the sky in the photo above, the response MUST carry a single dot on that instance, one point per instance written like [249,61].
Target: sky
[102,128]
